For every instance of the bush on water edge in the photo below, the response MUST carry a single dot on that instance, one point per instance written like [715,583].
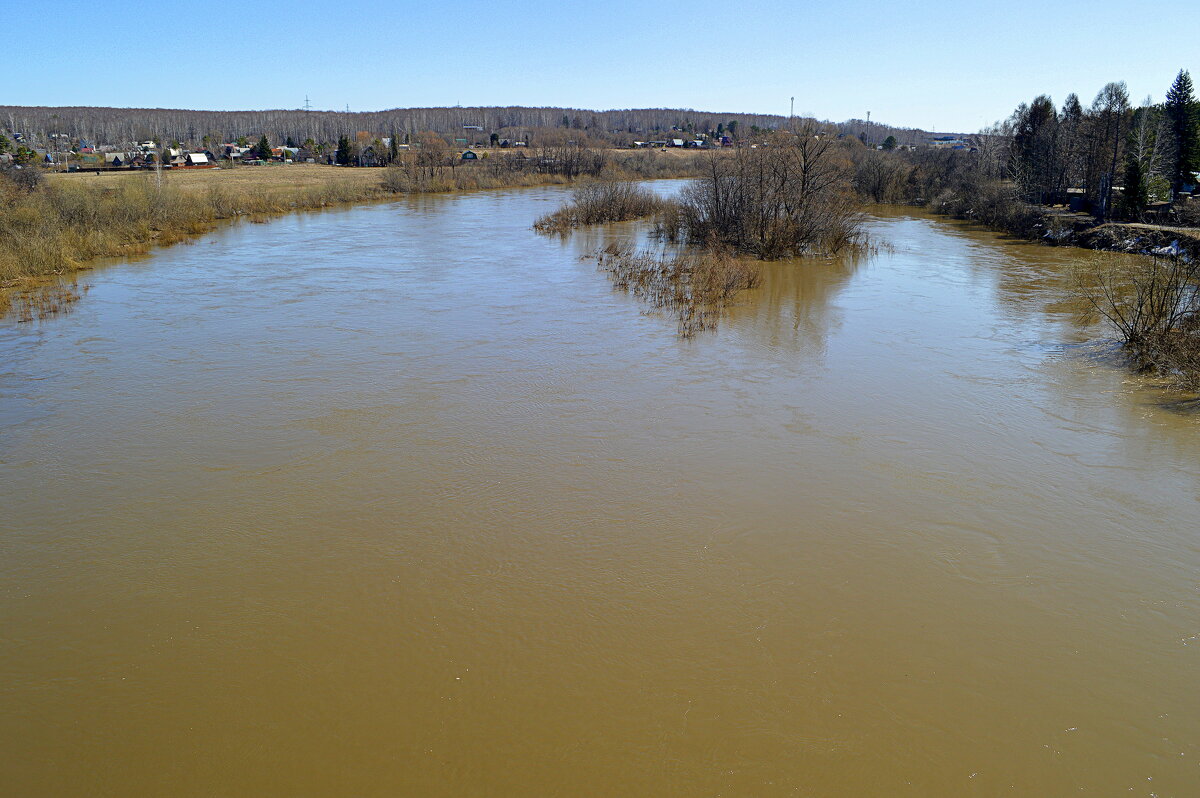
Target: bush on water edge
[599,203]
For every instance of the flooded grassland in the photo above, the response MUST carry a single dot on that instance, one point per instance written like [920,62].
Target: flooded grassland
[406,499]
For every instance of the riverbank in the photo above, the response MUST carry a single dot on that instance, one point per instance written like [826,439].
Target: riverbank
[1060,228]
[63,225]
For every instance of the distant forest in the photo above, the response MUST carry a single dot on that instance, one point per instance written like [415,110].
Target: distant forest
[121,125]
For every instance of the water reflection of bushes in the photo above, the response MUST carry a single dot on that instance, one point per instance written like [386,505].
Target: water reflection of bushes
[694,286]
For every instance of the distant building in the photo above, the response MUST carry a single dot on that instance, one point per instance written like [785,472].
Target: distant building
[948,143]
[468,155]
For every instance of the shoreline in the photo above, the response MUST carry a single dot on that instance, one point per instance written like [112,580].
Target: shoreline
[75,220]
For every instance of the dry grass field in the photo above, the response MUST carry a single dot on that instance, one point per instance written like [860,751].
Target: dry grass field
[281,180]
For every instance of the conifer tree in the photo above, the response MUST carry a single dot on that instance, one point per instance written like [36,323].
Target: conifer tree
[263,149]
[1183,119]
[343,151]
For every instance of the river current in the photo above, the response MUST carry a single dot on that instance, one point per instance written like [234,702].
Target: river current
[404,499]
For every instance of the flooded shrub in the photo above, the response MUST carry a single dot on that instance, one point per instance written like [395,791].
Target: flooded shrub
[791,196]
[696,286]
[599,203]
[1153,304]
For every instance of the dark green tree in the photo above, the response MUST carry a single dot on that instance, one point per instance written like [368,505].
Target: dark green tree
[1183,120]
[263,149]
[291,142]
[23,155]
[889,143]
[1136,194]
[1035,148]
[344,154]
[5,144]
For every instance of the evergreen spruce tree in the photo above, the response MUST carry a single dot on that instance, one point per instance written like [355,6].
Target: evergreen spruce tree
[889,143]
[263,149]
[1183,119]
[343,154]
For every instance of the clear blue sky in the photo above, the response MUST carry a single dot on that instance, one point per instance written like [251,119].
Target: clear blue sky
[937,65]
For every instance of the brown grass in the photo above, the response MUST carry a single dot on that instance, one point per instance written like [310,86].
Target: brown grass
[42,300]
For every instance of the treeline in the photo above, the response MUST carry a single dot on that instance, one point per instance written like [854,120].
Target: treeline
[1122,157]
[616,127]
[1111,158]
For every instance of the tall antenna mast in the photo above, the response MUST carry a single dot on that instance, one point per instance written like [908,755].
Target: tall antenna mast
[307,107]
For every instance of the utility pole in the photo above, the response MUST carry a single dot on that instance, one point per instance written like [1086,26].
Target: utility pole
[868,128]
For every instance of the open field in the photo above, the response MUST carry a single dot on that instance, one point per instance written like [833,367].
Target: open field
[270,179]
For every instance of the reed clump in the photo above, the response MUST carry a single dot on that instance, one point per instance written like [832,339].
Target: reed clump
[600,203]
[41,301]
[696,286]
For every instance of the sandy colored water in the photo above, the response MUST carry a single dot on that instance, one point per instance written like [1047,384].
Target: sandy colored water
[405,500]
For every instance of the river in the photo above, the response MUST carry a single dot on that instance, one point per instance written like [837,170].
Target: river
[404,499]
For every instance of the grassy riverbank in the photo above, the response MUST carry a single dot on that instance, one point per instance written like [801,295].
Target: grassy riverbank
[58,227]
[69,220]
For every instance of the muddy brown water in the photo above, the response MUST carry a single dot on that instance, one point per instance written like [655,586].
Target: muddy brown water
[405,500]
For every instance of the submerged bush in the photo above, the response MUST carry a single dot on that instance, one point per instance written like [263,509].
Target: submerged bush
[598,203]
[791,196]
[695,286]
[1153,304]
